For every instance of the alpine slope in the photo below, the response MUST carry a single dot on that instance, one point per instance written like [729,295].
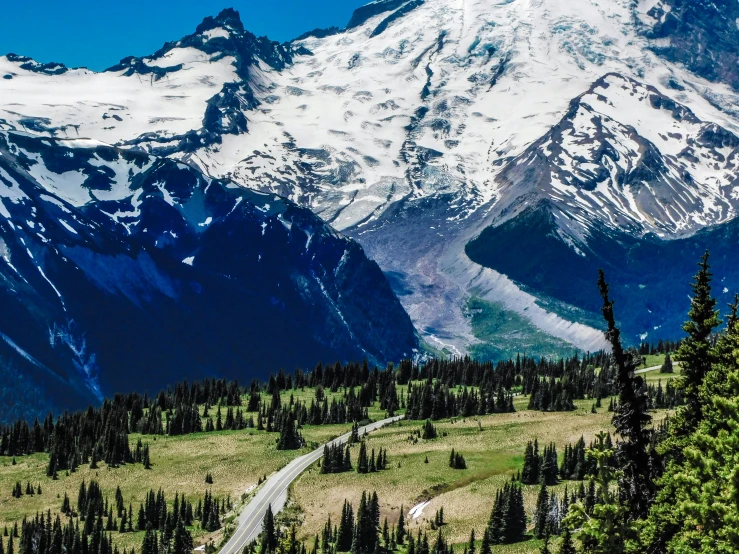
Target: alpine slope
[501,151]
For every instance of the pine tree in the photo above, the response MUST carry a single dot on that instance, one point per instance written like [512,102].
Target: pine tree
[269,533]
[548,471]
[695,355]
[542,512]
[531,464]
[182,539]
[485,547]
[516,515]
[507,523]
[146,459]
[400,529]
[346,528]
[290,438]
[496,524]
[66,506]
[347,466]
[685,517]
[429,431]
[470,548]
[631,419]
[667,365]
[366,528]
[363,461]
[604,529]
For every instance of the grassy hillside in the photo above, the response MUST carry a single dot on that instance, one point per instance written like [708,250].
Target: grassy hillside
[235,459]
[493,446]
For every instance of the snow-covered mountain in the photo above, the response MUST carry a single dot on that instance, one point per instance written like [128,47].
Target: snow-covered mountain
[425,124]
[119,269]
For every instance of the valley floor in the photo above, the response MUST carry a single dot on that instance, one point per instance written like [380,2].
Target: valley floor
[418,470]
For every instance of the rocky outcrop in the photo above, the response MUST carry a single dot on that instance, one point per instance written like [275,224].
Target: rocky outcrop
[703,35]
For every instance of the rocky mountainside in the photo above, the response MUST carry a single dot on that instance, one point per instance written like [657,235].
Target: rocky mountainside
[122,270]
[444,135]
[700,34]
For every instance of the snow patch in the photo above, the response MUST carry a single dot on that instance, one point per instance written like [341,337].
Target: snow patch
[417,510]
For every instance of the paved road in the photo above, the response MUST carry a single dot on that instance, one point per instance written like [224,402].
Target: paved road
[274,491]
[653,368]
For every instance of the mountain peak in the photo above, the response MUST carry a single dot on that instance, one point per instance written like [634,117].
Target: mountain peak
[228,18]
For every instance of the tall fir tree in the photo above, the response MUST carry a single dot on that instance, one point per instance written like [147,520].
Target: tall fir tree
[400,529]
[695,354]
[269,531]
[630,419]
[541,515]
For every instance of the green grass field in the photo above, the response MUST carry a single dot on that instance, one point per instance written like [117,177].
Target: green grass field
[652,360]
[235,459]
[492,446]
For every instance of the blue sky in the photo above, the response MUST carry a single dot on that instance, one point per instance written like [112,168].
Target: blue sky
[96,34]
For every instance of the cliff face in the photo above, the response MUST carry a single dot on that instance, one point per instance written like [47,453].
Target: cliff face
[121,271]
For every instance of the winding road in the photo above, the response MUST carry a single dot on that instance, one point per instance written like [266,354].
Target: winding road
[274,491]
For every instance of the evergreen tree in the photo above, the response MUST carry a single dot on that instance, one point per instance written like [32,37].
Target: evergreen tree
[363,460]
[604,529]
[345,533]
[470,548]
[631,419]
[400,529]
[541,516]
[548,471]
[429,431]
[347,465]
[667,365]
[507,523]
[696,507]
[485,547]
[290,438]
[695,355]
[515,515]
[269,532]
[457,461]
[182,539]
[531,464]
[366,528]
